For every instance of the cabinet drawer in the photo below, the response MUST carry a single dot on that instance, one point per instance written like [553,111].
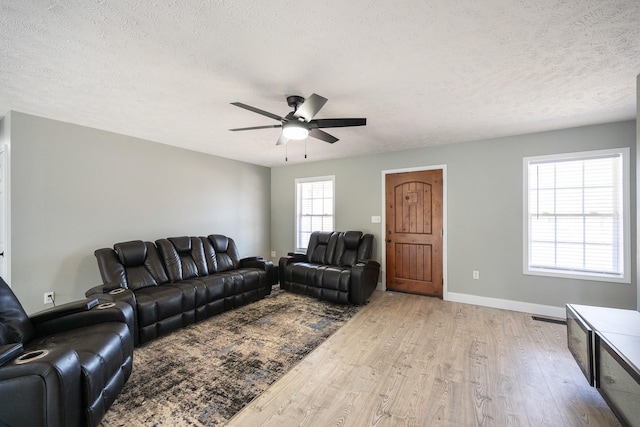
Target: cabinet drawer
[618,375]
[580,343]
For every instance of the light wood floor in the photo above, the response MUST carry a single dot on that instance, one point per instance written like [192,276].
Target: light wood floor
[407,360]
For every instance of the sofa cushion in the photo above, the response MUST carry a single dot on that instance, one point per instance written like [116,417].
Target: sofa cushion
[165,308]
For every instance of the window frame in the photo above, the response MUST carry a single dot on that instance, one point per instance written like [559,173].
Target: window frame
[625,246]
[298,206]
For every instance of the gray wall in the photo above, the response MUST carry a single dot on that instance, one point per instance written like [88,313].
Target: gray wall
[485,225]
[77,189]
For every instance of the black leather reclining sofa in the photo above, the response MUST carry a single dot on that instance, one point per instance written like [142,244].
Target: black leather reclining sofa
[180,280]
[337,267]
[64,366]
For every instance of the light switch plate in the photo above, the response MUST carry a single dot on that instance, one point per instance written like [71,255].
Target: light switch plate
[376,219]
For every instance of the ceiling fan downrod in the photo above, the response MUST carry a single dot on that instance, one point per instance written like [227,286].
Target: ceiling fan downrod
[294,101]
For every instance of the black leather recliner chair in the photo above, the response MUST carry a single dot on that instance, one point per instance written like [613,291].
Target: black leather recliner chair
[64,366]
[337,267]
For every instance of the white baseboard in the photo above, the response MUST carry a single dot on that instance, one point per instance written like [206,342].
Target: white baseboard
[525,307]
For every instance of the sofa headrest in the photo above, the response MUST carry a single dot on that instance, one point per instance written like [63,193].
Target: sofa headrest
[352,239]
[131,253]
[324,237]
[220,242]
[182,244]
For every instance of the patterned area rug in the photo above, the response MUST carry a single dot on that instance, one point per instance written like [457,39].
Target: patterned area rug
[204,374]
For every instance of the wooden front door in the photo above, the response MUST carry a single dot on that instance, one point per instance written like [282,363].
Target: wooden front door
[414,230]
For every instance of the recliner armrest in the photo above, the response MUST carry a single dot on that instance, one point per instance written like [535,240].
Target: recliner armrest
[63,310]
[9,352]
[47,389]
[117,311]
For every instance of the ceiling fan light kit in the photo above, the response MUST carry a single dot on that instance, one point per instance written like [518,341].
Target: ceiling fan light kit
[299,124]
[295,130]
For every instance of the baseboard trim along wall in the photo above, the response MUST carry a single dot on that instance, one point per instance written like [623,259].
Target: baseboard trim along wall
[525,307]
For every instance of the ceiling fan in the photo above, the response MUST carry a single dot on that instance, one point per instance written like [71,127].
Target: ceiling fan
[300,123]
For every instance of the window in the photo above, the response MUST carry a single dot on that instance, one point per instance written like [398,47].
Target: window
[314,208]
[576,209]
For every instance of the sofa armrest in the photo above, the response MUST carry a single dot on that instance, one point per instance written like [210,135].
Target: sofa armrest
[107,294]
[297,254]
[254,262]
[63,310]
[294,257]
[118,295]
[286,260]
[262,264]
[102,289]
[364,280]
[96,290]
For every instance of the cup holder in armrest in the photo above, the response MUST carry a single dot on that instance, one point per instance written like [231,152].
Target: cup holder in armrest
[105,305]
[116,291]
[30,356]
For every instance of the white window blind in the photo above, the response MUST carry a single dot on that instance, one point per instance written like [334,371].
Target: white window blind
[577,215]
[315,208]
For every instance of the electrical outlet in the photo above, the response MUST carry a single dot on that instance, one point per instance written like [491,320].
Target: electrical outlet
[49,297]
[273,254]
[476,274]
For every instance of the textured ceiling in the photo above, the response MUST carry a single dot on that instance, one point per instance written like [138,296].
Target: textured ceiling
[422,72]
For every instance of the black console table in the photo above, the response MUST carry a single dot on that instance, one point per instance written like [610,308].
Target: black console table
[606,345]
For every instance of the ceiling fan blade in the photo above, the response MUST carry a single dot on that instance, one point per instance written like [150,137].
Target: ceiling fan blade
[257,127]
[282,140]
[310,107]
[322,135]
[336,123]
[257,110]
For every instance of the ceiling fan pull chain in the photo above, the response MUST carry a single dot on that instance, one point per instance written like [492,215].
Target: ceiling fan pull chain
[305,148]
[286,153]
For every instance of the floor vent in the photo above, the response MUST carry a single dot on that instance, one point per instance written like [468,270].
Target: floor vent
[546,319]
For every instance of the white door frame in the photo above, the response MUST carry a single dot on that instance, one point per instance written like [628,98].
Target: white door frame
[383,231]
